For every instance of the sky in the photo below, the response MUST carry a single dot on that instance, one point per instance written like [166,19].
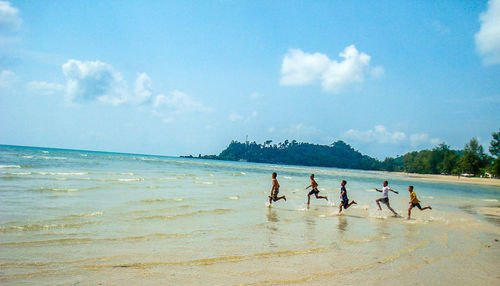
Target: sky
[187,77]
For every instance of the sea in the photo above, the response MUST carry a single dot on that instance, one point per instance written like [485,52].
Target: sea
[74,217]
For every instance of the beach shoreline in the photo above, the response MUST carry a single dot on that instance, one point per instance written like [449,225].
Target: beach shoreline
[451,179]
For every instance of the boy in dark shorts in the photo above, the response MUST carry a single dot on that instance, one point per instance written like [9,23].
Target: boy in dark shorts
[314,190]
[344,201]
[414,202]
[385,197]
[275,188]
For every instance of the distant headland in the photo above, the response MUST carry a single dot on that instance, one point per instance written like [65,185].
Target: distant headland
[472,161]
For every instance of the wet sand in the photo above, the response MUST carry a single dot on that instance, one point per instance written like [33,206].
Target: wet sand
[72,218]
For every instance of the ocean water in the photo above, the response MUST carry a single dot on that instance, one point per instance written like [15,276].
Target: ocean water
[81,217]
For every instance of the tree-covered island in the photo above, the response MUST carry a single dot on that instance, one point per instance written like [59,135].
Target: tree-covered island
[472,160]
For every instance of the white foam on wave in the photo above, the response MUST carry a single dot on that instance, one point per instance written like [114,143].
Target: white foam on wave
[28,157]
[370,190]
[62,173]
[65,190]
[46,152]
[9,166]
[428,197]
[331,204]
[48,189]
[88,214]
[83,155]
[130,179]
[489,200]
[234,198]
[204,183]
[376,213]
[19,173]
[53,158]
[287,177]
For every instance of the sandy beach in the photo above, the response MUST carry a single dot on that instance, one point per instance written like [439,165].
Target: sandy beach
[114,219]
[452,179]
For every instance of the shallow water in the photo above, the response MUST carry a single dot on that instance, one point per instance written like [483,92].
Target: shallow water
[80,217]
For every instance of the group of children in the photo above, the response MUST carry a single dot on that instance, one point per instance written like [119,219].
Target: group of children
[344,200]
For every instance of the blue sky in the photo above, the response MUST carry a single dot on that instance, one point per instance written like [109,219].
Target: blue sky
[187,77]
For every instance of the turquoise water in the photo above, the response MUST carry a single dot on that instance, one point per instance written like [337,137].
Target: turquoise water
[68,214]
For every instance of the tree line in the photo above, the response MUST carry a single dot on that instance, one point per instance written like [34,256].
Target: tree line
[471,160]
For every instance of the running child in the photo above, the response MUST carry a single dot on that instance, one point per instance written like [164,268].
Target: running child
[344,201]
[385,197]
[275,189]
[314,190]
[414,202]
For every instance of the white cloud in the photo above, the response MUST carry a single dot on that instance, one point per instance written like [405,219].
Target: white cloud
[94,80]
[419,139]
[235,117]
[238,117]
[7,79]
[300,68]
[142,88]
[300,130]
[379,134]
[175,104]
[9,17]
[255,95]
[488,36]
[45,88]
[177,100]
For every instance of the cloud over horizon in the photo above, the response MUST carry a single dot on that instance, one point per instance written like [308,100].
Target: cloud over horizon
[89,81]
[7,78]
[45,88]
[301,68]
[381,135]
[94,80]
[9,17]
[176,103]
[488,37]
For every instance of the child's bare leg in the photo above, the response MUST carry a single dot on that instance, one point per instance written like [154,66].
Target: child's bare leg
[389,207]
[409,212]
[379,207]
[321,197]
[270,200]
[340,208]
[281,198]
[351,203]
[308,199]
[427,207]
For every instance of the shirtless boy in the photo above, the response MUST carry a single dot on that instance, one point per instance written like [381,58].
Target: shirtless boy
[314,190]
[275,188]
